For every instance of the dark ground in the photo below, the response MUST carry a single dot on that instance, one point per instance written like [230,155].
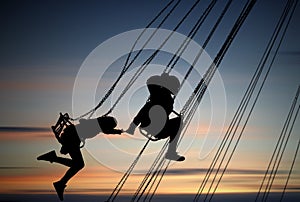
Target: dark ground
[289,197]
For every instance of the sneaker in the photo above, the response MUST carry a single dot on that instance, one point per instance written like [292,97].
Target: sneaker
[59,188]
[174,157]
[50,156]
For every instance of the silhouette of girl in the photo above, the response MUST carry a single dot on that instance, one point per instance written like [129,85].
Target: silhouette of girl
[70,139]
[154,115]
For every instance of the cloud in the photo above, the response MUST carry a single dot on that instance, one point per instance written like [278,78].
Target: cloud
[15,167]
[24,133]
[71,190]
[193,171]
[202,171]
[23,129]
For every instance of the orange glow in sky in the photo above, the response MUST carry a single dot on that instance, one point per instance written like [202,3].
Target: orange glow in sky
[32,176]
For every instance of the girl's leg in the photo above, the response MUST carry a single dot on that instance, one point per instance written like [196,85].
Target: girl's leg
[52,157]
[76,164]
[63,161]
[172,130]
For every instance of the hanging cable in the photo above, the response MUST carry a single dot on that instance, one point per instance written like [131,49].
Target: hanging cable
[189,38]
[126,65]
[149,172]
[153,55]
[151,36]
[280,139]
[126,175]
[160,179]
[221,54]
[173,61]
[140,70]
[148,61]
[247,119]
[182,48]
[266,75]
[283,131]
[202,86]
[206,42]
[290,172]
[154,175]
[280,157]
[235,121]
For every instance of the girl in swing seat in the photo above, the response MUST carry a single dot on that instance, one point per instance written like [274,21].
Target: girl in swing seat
[154,115]
[70,139]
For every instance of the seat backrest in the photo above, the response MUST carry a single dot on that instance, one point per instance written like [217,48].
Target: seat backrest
[62,122]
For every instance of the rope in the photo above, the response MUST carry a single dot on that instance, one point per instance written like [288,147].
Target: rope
[160,165]
[126,65]
[133,79]
[288,118]
[196,91]
[236,121]
[160,179]
[202,85]
[247,119]
[206,42]
[189,38]
[209,74]
[280,139]
[154,164]
[281,155]
[290,172]
[119,186]
[148,61]
[162,22]
[225,139]
[154,176]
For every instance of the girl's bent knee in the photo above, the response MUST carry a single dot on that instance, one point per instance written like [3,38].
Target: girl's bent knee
[79,165]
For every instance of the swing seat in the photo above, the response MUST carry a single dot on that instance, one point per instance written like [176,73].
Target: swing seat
[66,134]
[170,129]
[62,122]
[148,135]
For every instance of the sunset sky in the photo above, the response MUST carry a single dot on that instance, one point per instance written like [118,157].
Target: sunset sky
[45,45]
